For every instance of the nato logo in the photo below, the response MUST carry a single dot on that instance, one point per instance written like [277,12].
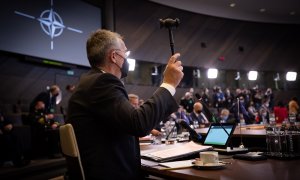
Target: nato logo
[51,23]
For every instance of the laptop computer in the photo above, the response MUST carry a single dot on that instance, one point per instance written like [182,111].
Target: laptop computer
[218,136]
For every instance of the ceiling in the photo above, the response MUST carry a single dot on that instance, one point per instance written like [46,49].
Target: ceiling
[207,41]
[270,11]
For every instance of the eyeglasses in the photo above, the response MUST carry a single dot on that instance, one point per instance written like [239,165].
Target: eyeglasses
[125,52]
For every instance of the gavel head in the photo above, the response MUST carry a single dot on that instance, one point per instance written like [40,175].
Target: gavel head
[169,23]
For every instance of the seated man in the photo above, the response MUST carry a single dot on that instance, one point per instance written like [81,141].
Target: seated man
[11,144]
[44,131]
[6,143]
[198,115]
[225,116]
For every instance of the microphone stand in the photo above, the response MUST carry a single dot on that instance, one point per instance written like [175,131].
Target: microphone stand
[238,113]
[167,137]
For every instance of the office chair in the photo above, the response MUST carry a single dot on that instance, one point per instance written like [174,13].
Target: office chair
[71,152]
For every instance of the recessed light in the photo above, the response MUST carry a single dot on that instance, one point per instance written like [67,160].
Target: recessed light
[232,4]
[262,10]
[292,13]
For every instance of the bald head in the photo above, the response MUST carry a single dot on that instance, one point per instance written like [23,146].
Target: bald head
[198,107]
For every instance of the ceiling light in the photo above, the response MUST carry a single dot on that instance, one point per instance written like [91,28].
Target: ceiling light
[292,13]
[291,76]
[131,63]
[232,4]
[252,75]
[212,73]
[262,10]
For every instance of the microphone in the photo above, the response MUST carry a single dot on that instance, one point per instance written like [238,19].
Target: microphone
[238,109]
[193,134]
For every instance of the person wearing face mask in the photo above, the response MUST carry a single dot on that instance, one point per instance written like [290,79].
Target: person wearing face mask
[106,125]
[225,116]
[198,115]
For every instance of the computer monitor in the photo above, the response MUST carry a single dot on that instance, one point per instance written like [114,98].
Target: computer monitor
[216,135]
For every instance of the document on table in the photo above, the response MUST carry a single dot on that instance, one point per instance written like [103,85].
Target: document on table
[176,152]
[177,164]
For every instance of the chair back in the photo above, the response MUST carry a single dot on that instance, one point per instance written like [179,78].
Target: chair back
[71,152]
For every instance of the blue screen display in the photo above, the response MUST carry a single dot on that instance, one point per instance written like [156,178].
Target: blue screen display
[217,135]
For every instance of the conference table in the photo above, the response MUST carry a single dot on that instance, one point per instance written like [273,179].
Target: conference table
[252,136]
[253,130]
[234,168]
[238,169]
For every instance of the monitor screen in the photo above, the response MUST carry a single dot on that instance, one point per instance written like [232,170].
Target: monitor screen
[50,29]
[216,135]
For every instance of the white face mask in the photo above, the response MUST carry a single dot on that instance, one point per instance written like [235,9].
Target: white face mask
[224,117]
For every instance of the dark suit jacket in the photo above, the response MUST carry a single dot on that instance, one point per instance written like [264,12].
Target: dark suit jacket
[50,103]
[194,117]
[107,126]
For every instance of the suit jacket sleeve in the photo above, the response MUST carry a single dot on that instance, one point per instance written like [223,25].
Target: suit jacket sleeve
[109,105]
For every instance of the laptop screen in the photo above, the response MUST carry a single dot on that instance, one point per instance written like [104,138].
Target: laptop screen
[216,135]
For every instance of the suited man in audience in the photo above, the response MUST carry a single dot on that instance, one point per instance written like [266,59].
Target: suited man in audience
[226,117]
[198,115]
[187,102]
[44,128]
[11,144]
[106,125]
[48,98]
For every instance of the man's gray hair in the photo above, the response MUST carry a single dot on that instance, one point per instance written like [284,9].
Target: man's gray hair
[99,44]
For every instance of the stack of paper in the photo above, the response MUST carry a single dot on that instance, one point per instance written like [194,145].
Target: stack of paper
[176,152]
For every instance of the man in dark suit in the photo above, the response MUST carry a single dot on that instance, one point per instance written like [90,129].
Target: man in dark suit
[48,98]
[106,125]
[198,115]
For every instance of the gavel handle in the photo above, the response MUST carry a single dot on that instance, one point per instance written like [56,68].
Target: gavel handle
[171,40]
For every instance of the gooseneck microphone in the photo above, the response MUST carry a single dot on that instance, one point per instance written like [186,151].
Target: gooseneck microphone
[238,112]
[193,134]
[170,24]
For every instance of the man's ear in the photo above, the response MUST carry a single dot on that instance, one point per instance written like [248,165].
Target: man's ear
[113,57]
